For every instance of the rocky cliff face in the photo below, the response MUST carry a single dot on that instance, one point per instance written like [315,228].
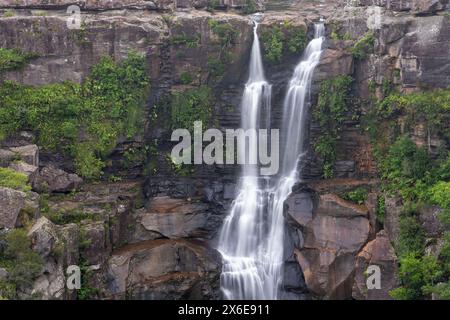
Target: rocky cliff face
[149,232]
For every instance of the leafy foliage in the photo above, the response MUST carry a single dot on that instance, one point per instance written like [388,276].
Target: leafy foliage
[364,46]
[226,36]
[330,114]
[84,120]
[191,105]
[13,59]
[22,263]
[411,237]
[15,180]
[419,177]
[250,7]
[358,195]
[417,275]
[432,106]
[279,40]
[440,195]
[381,208]
[186,77]
[403,166]
[87,291]
[183,39]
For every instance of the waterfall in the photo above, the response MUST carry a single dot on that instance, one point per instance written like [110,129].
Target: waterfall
[251,239]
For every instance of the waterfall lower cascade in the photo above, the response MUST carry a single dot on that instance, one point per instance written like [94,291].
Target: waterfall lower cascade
[251,239]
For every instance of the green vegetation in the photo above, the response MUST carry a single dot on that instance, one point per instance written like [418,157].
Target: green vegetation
[106,106]
[381,209]
[225,32]
[180,169]
[21,262]
[358,195]
[432,106]
[13,59]
[8,14]
[421,176]
[440,195]
[418,275]
[364,46]
[403,167]
[186,77]
[87,291]
[411,238]
[330,114]
[273,45]
[279,40]
[183,39]
[337,36]
[72,216]
[216,67]
[250,7]
[212,5]
[226,36]
[191,105]
[15,180]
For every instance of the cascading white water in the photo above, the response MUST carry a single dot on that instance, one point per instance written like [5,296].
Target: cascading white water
[242,231]
[251,239]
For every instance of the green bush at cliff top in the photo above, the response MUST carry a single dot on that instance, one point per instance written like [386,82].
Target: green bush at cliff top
[84,120]
[279,40]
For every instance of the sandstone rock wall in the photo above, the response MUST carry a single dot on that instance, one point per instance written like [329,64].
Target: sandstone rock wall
[151,236]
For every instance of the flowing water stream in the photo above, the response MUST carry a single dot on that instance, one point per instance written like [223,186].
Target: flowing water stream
[251,239]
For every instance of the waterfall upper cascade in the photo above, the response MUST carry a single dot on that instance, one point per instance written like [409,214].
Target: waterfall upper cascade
[251,239]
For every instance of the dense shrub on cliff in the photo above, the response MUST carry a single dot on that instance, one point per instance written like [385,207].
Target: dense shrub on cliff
[189,106]
[330,114]
[15,180]
[224,37]
[421,177]
[21,262]
[279,40]
[12,59]
[363,46]
[84,120]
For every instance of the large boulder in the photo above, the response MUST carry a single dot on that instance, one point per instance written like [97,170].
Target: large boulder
[175,218]
[11,203]
[43,235]
[58,248]
[333,231]
[51,179]
[6,157]
[164,269]
[29,170]
[51,284]
[95,244]
[378,252]
[28,154]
